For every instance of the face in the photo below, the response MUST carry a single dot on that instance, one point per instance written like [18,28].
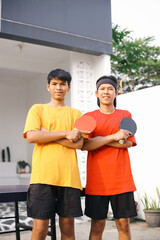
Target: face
[58,89]
[106,94]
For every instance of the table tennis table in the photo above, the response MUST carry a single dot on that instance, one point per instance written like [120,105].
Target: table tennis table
[11,193]
[18,193]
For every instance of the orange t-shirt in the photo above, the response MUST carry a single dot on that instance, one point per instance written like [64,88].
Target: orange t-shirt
[108,168]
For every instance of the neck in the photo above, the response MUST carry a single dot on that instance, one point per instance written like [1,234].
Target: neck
[56,104]
[107,109]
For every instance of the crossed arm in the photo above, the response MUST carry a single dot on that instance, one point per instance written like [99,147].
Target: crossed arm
[70,139]
[110,140]
[73,139]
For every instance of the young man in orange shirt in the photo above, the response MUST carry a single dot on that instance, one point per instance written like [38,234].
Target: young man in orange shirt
[55,180]
[109,176]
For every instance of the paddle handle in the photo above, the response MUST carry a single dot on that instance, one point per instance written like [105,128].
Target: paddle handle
[121,141]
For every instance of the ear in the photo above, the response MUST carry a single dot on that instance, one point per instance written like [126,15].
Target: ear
[69,87]
[96,93]
[116,93]
[48,87]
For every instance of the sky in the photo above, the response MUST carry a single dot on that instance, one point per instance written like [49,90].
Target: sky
[140,16]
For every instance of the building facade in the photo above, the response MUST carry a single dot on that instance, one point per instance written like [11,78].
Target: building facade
[38,36]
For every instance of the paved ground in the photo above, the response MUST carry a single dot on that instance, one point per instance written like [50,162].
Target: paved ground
[139,230]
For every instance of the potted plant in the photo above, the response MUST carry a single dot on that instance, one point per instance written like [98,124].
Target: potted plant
[152,209]
[21,166]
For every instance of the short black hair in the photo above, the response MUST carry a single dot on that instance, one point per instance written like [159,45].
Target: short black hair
[114,79]
[59,74]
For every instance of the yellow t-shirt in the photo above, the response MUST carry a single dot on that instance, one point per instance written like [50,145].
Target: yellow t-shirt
[52,163]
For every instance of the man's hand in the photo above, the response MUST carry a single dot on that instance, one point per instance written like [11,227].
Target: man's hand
[121,134]
[73,135]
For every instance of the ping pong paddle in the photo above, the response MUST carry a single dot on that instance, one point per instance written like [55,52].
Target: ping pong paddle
[128,124]
[85,124]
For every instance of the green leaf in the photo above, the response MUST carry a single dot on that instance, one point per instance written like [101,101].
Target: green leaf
[136,58]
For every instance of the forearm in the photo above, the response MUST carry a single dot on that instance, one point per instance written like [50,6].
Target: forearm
[97,142]
[75,145]
[116,144]
[100,141]
[44,136]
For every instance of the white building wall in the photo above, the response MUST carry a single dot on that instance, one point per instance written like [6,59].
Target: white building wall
[13,97]
[145,157]
[101,65]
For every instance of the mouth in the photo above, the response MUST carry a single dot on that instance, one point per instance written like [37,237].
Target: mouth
[106,97]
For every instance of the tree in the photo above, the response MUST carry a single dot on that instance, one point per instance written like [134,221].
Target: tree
[136,58]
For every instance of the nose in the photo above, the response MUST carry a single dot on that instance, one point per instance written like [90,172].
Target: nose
[58,86]
[106,91]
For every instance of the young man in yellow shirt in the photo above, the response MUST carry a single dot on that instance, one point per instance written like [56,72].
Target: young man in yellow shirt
[55,180]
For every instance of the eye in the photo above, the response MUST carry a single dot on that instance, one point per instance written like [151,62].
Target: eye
[102,88]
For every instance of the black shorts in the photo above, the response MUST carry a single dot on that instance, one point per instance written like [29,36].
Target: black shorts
[123,206]
[43,201]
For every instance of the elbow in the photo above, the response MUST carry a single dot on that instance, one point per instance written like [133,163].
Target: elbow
[30,137]
[30,140]
[79,146]
[84,147]
[129,144]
